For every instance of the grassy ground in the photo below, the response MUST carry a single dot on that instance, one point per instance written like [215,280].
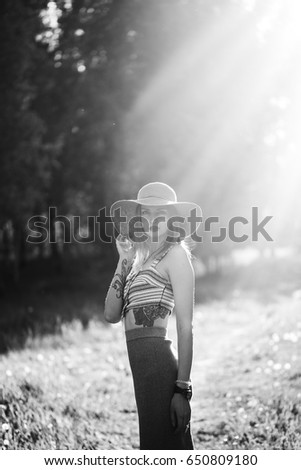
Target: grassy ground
[73,389]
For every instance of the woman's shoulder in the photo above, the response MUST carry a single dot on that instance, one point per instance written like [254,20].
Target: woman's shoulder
[178,254]
[178,264]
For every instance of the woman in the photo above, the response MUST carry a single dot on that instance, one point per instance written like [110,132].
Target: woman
[154,275]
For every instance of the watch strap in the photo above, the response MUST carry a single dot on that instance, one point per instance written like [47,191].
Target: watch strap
[186,392]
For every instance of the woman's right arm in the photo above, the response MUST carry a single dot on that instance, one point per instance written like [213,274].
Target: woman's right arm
[114,298]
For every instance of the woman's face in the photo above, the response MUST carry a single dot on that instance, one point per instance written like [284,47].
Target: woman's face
[154,220]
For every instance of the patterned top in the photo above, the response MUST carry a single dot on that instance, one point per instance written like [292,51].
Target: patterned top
[148,288]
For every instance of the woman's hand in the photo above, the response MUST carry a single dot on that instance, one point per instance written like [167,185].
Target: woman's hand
[125,247]
[180,412]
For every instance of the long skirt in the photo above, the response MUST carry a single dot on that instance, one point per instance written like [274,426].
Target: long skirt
[154,367]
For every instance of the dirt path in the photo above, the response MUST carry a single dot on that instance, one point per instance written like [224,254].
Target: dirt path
[221,331]
[245,352]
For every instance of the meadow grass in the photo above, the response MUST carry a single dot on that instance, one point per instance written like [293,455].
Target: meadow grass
[72,388]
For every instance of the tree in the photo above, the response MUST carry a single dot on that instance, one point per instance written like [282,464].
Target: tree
[24,165]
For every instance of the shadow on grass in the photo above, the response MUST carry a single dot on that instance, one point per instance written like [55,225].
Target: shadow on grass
[45,299]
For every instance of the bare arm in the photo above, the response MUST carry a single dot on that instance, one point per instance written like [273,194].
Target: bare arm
[181,275]
[114,298]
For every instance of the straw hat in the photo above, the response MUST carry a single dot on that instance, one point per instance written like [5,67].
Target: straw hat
[161,195]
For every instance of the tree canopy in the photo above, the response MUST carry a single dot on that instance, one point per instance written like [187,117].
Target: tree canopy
[101,96]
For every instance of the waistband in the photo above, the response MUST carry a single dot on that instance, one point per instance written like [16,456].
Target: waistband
[146,332]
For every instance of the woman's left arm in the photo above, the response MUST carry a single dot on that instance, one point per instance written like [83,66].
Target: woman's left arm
[182,279]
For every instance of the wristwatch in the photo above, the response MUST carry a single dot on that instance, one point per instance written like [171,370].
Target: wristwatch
[186,392]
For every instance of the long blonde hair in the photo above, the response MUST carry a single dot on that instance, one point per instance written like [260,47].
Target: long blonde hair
[142,251]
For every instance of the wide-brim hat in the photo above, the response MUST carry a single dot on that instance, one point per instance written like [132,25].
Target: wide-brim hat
[188,214]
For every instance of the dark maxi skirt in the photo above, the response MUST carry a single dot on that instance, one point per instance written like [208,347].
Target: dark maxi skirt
[154,367]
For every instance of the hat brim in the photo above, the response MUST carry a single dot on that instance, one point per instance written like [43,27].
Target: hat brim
[187,215]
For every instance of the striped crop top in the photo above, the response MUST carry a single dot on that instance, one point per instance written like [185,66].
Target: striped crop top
[148,288]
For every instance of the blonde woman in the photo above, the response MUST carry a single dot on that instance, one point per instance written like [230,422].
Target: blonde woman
[154,276]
